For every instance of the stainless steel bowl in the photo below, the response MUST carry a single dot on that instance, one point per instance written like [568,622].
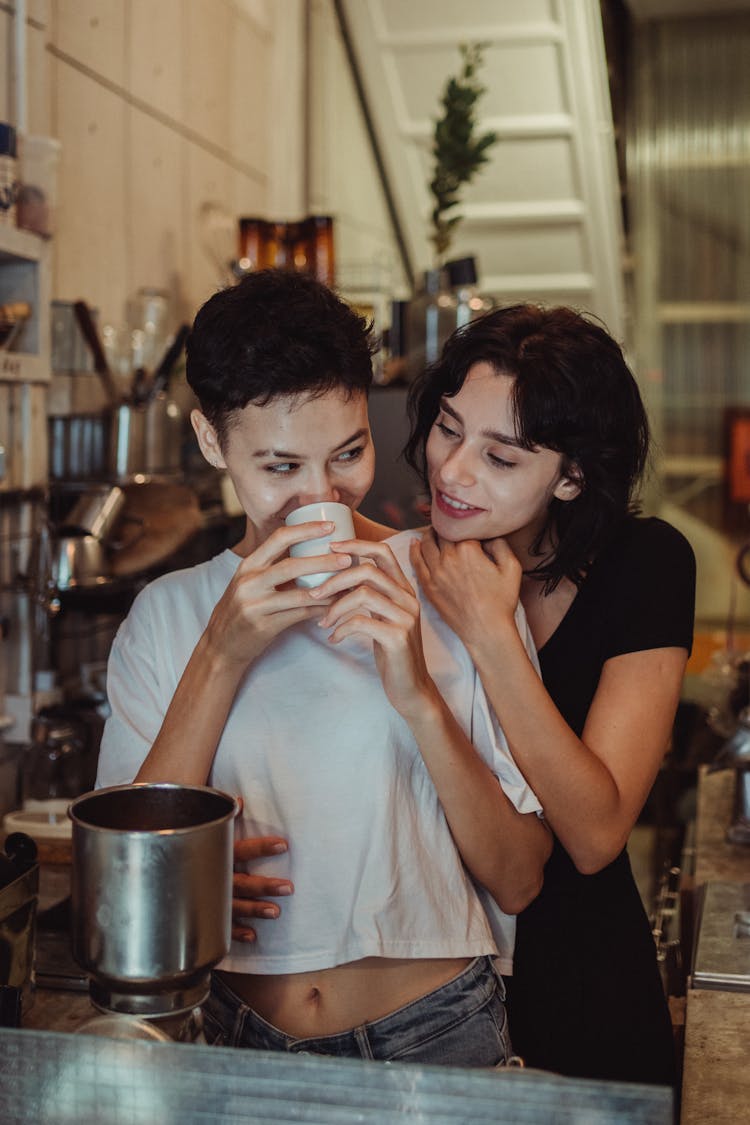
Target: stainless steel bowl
[78,560]
[151,893]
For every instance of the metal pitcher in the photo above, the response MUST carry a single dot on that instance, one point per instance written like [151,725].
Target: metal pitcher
[151,893]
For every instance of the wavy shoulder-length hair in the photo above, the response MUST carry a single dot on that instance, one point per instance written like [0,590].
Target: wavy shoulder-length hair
[573,393]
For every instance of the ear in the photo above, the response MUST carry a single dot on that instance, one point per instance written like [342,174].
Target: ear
[207,439]
[570,485]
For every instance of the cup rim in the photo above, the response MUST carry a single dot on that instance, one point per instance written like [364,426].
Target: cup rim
[315,507]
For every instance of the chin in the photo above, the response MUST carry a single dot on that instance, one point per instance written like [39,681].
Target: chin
[448,529]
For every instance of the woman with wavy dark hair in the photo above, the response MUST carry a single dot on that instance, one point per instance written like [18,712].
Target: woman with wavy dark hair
[532,439]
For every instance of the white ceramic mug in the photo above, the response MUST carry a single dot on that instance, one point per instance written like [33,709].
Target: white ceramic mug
[339,515]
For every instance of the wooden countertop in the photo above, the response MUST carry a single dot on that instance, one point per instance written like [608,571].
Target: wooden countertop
[55,1009]
[716,1086]
[716,1074]
[715,857]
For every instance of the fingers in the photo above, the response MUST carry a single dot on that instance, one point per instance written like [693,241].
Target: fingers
[391,582]
[379,553]
[248,891]
[280,540]
[253,847]
[246,887]
[271,577]
[498,550]
[243,933]
[423,554]
[384,633]
[390,603]
[253,907]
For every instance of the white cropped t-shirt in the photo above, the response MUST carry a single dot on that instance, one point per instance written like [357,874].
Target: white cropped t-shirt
[320,757]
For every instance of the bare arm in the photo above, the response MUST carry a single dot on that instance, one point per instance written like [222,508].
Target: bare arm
[259,603]
[503,849]
[592,788]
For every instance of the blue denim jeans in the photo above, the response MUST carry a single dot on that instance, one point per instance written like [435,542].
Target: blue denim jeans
[462,1023]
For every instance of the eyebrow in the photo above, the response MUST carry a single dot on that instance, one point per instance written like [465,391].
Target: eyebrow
[493,435]
[283,454]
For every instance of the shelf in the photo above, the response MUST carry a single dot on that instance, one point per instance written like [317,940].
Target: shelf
[25,276]
[22,367]
[703,312]
[698,465]
[15,243]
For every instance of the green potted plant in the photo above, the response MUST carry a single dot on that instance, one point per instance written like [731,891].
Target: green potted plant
[458,151]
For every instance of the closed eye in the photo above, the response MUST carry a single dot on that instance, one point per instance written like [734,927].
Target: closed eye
[500,462]
[446,429]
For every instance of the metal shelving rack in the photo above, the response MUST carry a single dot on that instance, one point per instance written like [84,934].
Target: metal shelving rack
[25,372]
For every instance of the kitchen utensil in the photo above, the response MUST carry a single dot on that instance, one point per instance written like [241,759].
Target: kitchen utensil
[735,754]
[139,391]
[95,512]
[70,353]
[145,438]
[148,313]
[163,516]
[55,767]
[151,893]
[78,446]
[78,560]
[166,366]
[88,328]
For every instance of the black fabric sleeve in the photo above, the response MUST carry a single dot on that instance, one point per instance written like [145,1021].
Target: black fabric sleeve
[654,604]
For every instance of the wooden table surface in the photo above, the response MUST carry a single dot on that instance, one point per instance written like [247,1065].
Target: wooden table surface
[716,1064]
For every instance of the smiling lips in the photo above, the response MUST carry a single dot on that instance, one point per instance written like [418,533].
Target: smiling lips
[456,509]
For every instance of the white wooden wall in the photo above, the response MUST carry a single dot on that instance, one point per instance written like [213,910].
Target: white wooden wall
[164,105]
[343,176]
[160,106]
[543,216]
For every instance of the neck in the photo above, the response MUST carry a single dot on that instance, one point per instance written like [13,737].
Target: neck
[248,542]
[522,544]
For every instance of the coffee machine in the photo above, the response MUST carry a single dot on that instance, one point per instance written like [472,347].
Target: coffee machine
[19,888]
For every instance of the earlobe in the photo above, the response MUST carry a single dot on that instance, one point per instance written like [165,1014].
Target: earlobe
[207,439]
[568,487]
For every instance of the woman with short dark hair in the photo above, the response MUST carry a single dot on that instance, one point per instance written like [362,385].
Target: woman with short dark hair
[368,743]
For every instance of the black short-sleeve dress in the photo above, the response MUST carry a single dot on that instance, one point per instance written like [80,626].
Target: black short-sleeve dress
[586,997]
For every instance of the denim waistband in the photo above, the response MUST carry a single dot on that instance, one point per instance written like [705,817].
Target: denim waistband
[434,1013]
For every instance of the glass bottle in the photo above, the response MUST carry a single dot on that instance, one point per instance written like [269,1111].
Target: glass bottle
[470,303]
[253,242]
[321,253]
[431,319]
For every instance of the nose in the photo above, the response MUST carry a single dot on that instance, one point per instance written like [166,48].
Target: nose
[319,488]
[457,467]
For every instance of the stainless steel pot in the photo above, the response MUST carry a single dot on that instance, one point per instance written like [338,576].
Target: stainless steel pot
[145,439]
[95,512]
[78,446]
[151,893]
[78,560]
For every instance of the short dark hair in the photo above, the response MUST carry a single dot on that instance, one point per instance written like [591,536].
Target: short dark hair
[275,333]
[573,393]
